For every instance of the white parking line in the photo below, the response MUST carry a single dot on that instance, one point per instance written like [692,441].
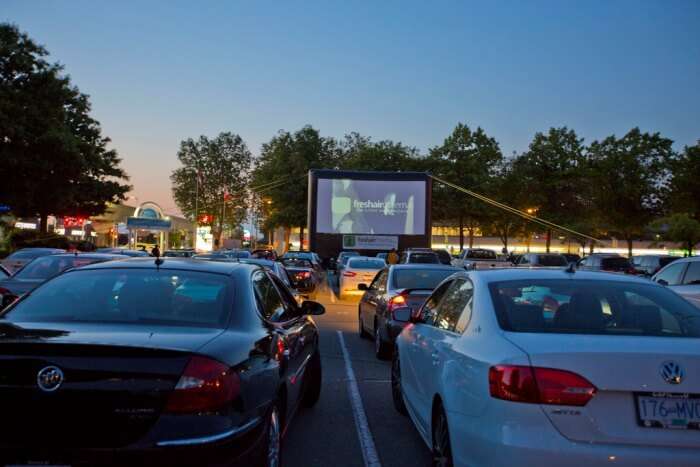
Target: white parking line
[369,452]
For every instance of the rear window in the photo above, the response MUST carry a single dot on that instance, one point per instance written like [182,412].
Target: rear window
[552,260]
[180,298]
[28,254]
[238,254]
[423,258]
[481,254]
[366,263]
[297,263]
[419,278]
[593,307]
[615,264]
[49,266]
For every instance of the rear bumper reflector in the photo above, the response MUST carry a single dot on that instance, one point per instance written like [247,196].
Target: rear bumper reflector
[213,438]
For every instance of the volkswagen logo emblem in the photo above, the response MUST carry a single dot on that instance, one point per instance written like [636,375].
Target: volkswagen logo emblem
[49,379]
[672,372]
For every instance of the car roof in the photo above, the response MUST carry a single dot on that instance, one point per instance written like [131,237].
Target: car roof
[510,274]
[87,256]
[188,264]
[688,259]
[262,262]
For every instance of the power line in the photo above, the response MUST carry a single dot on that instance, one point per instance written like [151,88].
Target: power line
[513,210]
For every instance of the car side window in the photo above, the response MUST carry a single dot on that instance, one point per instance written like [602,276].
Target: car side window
[672,274]
[453,306]
[269,301]
[430,307]
[379,282]
[290,305]
[692,276]
[523,260]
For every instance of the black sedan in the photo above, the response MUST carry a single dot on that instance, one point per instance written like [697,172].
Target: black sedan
[397,286]
[155,362]
[305,276]
[44,268]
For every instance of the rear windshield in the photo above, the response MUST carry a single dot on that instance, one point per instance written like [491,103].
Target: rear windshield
[419,278]
[593,307]
[358,263]
[238,254]
[297,263]
[552,260]
[180,298]
[615,264]
[423,258]
[481,254]
[49,266]
[29,254]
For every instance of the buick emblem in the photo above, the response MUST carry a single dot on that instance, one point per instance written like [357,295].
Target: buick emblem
[672,372]
[49,379]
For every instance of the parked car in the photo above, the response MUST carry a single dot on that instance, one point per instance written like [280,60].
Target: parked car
[538,260]
[648,265]
[382,255]
[683,277]
[421,256]
[234,253]
[281,272]
[358,270]
[305,277]
[343,257]
[479,258]
[609,262]
[16,261]
[123,251]
[44,268]
[310,255]
[179,253]
[572,258]
[396,286]
[178,363]
[487,377]
[268,254]
[444,256]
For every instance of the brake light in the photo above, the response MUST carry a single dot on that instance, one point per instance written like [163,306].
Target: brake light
[206,385]
[303,275]
[396,302]
[535,385]
[349,274]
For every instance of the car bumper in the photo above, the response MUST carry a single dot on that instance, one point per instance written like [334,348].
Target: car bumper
[491,440]
[233,450]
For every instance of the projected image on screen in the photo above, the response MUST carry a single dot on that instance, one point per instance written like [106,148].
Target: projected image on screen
[370,207]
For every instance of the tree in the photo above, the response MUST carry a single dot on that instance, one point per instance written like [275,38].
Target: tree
[630,177]
[281,174]
[54,157]
[684,194]
[468,158]
[552,171]
[213,181]
[681,228]
[361,153]
[509,189]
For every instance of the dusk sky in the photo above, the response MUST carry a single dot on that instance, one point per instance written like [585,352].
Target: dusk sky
[160,72]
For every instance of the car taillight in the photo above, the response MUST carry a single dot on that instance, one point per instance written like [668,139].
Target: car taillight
[349,274]
[396,302]
[303,275]
[206,385]
[535,385]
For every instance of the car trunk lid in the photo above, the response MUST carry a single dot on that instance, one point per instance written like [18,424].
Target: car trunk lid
[628,374]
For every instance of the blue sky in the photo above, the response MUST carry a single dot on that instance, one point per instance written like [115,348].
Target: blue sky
[159,72]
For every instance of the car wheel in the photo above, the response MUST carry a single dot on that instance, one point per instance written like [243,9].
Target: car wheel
[442,450]
[360,327]
[381,348]
[313,377]
[396,390]
[271,452]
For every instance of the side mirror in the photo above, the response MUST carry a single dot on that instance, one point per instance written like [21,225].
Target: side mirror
[362,287]
[662,282]
[312,308]
[403,314]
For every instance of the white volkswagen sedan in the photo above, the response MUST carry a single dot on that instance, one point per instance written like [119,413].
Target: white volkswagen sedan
[551,367]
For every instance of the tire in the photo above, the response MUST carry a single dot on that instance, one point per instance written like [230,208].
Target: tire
[442,448]
[314,378]
[271,451]
[396,389]
[360,327]
[381,348]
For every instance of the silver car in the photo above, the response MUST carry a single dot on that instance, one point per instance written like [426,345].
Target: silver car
[683,277]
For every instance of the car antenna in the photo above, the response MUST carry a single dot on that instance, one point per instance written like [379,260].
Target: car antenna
[571,268]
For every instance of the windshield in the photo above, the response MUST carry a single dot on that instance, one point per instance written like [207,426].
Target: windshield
[481,254]
[593,307]
[359,263]
[552,260]
[419,278]
[49,266]
[181,298]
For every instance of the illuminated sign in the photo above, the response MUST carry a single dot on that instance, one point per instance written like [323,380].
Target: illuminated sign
[205,239]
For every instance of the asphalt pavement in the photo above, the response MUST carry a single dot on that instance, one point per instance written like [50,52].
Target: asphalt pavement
[354,423]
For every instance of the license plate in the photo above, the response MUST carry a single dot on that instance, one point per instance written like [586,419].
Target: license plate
[665,410]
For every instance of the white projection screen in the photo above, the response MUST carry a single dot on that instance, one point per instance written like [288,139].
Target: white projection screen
[351,206]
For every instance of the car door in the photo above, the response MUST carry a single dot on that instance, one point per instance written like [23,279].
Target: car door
[690,288]
[436,344]
[373,299]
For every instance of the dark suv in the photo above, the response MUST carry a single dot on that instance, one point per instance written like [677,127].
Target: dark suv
[609,262]
[648,265]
